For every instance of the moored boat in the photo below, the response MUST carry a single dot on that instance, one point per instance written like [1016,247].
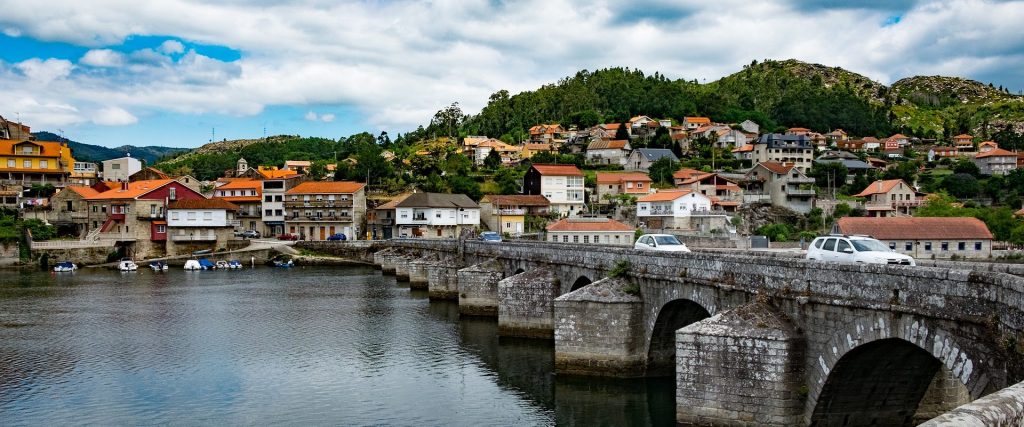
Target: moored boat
[158,266]
[222,264]
[127,264]
[65,267]
[207,264]
[234,264]
[192,265]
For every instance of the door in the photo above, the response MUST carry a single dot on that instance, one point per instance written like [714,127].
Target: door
[322,232]
[331,229]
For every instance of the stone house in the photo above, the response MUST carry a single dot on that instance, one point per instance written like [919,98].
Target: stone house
[316,210]
[642,158]
[780,184]
[436,215]
[598,231]
[996,161]
[198,224]
[928,238]
[607,152]
[892,197]
[562,185]
[507,213]
[69,208]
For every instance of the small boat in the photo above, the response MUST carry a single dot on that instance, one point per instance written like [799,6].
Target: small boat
[206,264]
[158,266]
[222,265]
[192,265]
[283,263]
[234,264]
[65,267]
[127,264]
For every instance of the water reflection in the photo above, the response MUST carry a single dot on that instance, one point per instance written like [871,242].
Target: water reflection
[265,346]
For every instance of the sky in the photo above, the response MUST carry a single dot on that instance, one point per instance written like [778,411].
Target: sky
[183,72]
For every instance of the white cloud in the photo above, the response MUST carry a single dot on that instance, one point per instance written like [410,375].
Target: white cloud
[12,32]
[102,58]
[40,71]
[171,47]
[424,56]
[113,116]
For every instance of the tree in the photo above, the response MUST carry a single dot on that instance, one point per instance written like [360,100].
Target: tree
[961,185]
[907,171]
[461,184]
[662,169]
[447,120]
[623,131]
[544,157]
[508,180]
[493,159]
[966,166]
[941,205]
[828,174]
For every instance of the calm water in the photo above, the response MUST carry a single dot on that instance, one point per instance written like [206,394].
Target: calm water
[310,346]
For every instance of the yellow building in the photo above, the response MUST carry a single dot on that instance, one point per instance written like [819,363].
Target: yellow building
[35,162]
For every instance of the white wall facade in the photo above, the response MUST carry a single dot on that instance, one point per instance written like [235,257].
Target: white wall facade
[564,192]
[120,169]
[197,218]
[437,216]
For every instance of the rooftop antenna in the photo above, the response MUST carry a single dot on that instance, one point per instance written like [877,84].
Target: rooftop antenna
[213,133]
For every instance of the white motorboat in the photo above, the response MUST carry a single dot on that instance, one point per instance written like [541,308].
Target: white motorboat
[158,266]
[222,265]
[193,265]
[127,264]
[65,267]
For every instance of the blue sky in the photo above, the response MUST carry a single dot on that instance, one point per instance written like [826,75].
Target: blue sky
[114,72]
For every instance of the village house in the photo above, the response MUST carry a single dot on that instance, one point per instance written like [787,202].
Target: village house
[987,146]
[854,145]
[84,174]
[691,123]
[546,133]
[507,213]
[151,173]
[642,158]
[604,131]
[133,214]
[750,127]
[509,153]
[836,136]
[436,215]
[871,143]
[610,184]
[925,238]
[723,192]
[531,148]
[854,165]
[316,210]
[598,231]
[247,195]
[28,163]
[782,185]
[789,149]
[607,152]
[275,183]
[562,185]
[121,168]
[381,223]
[671,209]
[964,142]
[937,152]
[996,162]
[897,141]
[892,197]
[746,152]
[69,210]
[300,166]
[198,224]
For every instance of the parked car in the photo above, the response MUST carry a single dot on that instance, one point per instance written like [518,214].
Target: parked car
[337,236]
[855,249]
[490,236]
[250,234]
[660,242]
[287,236]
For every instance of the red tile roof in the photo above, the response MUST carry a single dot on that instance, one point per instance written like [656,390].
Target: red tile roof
[617,177]
[326,187]
[585,224]
[135,189]
[881,187]
[559,170]
[996,152]
[913,228]
[744,149]
[605,144]
[778,168]
[243,184]
[203,204]
[516,200]
[664,196]
[696,120]
[85,192]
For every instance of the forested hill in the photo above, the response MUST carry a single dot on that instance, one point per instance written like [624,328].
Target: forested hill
[97,153]
[776,94]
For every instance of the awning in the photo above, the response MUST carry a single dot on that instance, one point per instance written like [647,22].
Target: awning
[160,222]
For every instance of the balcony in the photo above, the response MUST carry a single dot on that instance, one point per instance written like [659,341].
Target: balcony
[150,216]
[119,216]
[511,212]
[247,214]
[318,203]
[117,237]
[800,192]
[803,180]
[201,237]
[325,218]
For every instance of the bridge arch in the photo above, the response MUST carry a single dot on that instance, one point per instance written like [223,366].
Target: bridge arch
[876,371]
[675,314]
[580,282]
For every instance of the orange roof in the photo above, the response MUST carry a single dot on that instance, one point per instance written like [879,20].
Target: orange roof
[961,136]
[538,147]
[611,126]
[996,152]
[49,148]
[898,136]
[696,119]
[617,177]
[882,187]
[135,189]
[798,130]
[517,200]
[664,196]
[604,144]
[777,167]
[586,224]
[277,173]
[326,187]
[744,149]
[82,190]
[561,170]
[988,143]
[245,184]
[214,203]
[914,228]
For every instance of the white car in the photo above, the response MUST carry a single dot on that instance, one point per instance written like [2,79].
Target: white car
[660,242]
[855,249]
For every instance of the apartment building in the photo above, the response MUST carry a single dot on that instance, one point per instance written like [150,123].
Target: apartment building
[316,210]
[562,185]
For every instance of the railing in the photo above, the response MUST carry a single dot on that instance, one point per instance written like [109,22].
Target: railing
[800,192]
[150,216]
[706,212]
[71,244]
[117,237]
[246,214]
[234,222]
[319,218]
[70,216]
[192,238]
[318,203]
[800,180]
[511,211]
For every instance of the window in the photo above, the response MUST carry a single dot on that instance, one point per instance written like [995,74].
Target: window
[565,239]
[95,208]
[927,246]
[268,198]
[909,246]
[115,166]
[961,246]
[843,246]
[10,163]
[43,164]
[268,212]
[207,216]
[586,239]
[174,215]
[575,239]
[554,238]
[27,164]
[191,216]
[161,229]
[945,246]
[977,246]
[173,193]
[279,198]
[278,212]
[817,243]
[830,245]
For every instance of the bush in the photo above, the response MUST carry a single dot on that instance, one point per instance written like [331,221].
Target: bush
[777,232]
[621,269]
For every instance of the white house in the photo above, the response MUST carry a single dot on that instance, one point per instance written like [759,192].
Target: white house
[202,222]
[671,208]
[436,215]
[562,185]
[121,168]
[602,231]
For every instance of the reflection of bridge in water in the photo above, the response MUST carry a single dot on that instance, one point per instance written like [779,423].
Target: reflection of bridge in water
[749,339]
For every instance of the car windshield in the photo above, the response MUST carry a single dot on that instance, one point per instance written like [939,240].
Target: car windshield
[667,240]
[490,236]
[869,245]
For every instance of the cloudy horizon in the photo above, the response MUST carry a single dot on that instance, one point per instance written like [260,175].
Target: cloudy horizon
[181,72]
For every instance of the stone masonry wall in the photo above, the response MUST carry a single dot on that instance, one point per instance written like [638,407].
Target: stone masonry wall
[1004,408]
[597,331]
[478,289]
[526,304]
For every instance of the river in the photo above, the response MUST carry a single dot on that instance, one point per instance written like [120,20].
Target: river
[307,346]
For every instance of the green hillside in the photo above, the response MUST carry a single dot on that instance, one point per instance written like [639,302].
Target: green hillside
[96,153]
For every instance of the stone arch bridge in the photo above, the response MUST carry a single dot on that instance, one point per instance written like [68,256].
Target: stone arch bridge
[750,339]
